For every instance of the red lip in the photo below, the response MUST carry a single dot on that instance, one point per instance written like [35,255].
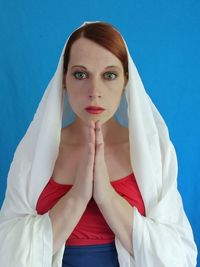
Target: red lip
[95,111]
[94,108]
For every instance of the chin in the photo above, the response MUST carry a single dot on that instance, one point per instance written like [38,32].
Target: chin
[86,118]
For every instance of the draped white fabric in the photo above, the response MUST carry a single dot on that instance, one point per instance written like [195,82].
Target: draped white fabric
[163,238]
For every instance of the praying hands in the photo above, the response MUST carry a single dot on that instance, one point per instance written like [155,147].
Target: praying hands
[92,178]
[102,190]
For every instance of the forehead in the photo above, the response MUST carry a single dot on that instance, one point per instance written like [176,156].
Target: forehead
[86,52]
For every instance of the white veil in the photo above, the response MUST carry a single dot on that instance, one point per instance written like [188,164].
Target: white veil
[162,238]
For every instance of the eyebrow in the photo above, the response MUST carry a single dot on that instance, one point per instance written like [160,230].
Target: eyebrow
[111,66]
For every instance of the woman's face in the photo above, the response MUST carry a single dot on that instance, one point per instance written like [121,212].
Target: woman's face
[93,84]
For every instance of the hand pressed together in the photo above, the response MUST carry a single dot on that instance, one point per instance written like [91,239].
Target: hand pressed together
[92,178]
[102,188]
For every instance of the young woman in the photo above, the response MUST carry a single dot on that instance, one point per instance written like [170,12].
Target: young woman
[94,180]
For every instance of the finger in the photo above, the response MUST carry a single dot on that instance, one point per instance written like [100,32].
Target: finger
[92,133]
[91,142]
[99,144]
[98,134]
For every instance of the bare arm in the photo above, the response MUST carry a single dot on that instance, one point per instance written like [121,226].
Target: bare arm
[64,216]
[67,212]
[118,213]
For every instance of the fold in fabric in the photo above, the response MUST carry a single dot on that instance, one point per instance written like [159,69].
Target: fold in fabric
[26,241]
[163,238]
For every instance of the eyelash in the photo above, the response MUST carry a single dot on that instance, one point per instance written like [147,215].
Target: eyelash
[74,74]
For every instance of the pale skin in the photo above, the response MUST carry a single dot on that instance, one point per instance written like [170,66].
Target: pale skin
[116,210]
[102,188]
[95,90]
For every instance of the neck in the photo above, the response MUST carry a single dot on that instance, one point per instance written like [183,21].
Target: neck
[110,130]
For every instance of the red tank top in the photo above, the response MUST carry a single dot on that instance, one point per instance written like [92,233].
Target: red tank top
[92,228]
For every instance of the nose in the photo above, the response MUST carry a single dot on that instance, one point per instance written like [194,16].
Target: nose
[94,92]
[91,95]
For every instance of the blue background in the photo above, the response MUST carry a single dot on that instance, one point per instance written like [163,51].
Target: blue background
[163,38]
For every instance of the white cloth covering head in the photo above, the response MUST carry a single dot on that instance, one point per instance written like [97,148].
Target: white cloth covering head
[161,238]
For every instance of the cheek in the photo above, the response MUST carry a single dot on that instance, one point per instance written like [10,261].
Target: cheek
[115,92]
[76,99]
[114,100]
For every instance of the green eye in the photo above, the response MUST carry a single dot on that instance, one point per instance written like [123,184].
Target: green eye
[112,74]
[78,76]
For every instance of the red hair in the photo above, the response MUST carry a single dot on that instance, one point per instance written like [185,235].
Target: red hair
[103,34]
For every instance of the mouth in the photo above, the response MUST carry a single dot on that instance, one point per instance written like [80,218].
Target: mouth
[94,111]
[94,107]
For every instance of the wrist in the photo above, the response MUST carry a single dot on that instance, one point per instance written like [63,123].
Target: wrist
[107,198]
[77,199]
